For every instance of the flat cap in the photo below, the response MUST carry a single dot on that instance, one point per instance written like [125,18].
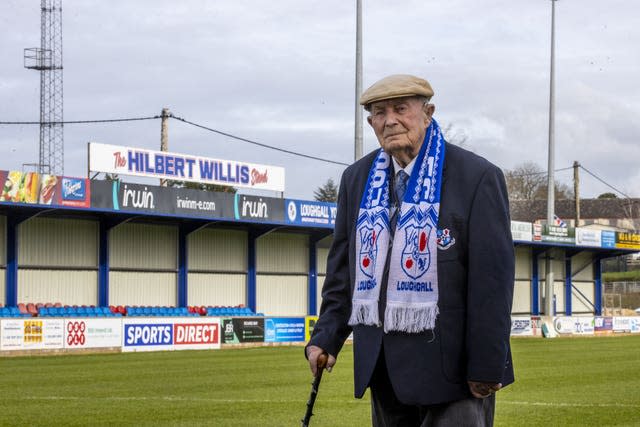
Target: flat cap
[396,86]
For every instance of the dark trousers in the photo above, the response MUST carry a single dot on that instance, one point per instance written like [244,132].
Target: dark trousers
[387,411]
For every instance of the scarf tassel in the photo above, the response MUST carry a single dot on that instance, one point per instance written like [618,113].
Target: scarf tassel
[365,313]
[410,319]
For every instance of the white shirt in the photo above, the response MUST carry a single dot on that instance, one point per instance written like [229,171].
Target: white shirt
[408,169]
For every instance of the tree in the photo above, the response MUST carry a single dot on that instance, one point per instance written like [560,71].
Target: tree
[455,136]
[525,181]
[607,196]
[201,186]
[327,193]
[528,181]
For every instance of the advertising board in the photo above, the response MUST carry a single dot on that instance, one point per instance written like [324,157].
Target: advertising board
[521,326]
[183,167]
[608,239]
[310,323]
[627,240]
[31,334]
[521,231]
[255,208]
[603,324]
[155,334]
[588,237]
[284,329]
[626,324]
[42,189]
[303,212]
[92,333]
[240,330]
[163,200]
[574,325]
[552,233]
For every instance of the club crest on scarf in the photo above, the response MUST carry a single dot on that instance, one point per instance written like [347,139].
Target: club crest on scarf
[416,257]
[369,249]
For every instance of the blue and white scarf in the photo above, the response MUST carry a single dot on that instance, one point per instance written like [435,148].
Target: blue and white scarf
[412,292]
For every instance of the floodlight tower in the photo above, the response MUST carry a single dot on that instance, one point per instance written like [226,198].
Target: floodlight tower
[47,59]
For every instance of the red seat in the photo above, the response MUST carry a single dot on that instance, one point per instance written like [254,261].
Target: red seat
[32,309]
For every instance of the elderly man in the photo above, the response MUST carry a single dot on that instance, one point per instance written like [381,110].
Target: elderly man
[421,270]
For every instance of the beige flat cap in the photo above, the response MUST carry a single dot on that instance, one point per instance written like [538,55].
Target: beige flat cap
[396,86]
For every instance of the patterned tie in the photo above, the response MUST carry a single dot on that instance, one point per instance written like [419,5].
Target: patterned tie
[401,185]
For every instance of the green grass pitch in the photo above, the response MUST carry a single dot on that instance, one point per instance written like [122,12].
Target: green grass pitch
[560,382]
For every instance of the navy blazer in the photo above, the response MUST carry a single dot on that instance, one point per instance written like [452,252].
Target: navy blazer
[475,283]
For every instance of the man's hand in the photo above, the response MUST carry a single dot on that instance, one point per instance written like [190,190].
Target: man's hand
[481,390]
[313,353]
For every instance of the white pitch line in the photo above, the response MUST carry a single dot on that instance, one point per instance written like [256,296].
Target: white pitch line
[577,405]
[180,399]
[214,400]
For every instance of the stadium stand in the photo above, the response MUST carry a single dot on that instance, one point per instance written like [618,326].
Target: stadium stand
[133,311]
[74,311]
[12,312]
[59,310]
[231,311]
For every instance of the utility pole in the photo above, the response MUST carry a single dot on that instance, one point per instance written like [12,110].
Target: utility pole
[358,143]
[549,281]
[576,189]
[164,136]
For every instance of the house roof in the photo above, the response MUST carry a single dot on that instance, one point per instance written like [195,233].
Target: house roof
[532,210]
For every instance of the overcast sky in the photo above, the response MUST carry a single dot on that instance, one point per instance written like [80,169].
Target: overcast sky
[283,73]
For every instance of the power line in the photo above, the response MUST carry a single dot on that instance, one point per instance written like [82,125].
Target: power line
[75,122]
[282,150]
[603,181]
[544,173]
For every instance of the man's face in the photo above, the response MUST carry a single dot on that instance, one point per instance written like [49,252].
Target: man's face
[400,125]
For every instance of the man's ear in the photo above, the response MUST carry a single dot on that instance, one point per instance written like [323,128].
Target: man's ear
[429,109]
[369,121]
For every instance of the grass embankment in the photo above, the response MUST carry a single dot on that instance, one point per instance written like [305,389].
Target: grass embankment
[560,382]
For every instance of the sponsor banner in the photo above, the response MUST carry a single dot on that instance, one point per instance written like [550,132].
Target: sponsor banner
[537,232]
[521,326]
[574,325]
[309,324]
[195,334]
[183,167]
[521,231]
[626,324]
[284,329]
[536,326]
[31,334]
[92,333]
[553,233]
[255,208]
[301,212]
[122,196]
[34,188]
[588,237]
[603,324]
[608,239]
[240,330]
[155,334]
[627,240]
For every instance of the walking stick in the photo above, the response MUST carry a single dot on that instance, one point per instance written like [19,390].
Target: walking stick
[322,361]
